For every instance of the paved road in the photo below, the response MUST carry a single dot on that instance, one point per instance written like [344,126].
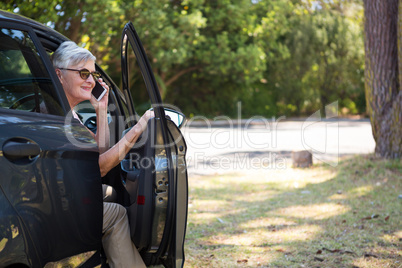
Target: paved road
[257,144]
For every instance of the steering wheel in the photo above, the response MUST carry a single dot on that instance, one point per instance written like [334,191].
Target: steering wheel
[22,101]
[90,123]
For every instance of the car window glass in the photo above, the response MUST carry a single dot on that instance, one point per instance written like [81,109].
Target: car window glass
[137,86]
[125,111]
[24,82]
[114,104]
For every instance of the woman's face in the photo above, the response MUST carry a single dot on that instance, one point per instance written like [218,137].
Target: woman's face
[76,88]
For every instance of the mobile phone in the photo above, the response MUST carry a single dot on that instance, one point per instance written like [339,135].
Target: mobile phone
[99,91]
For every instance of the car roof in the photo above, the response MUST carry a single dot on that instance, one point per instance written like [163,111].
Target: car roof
[49,37]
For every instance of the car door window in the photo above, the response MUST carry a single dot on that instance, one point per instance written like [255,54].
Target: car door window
[25,84]
[137,85]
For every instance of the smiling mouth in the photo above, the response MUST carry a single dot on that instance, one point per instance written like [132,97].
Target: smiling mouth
[87,88]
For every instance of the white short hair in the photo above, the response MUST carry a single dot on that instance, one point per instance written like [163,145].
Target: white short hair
[70,54]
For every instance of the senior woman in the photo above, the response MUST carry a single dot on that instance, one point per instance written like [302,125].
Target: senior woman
[75,67]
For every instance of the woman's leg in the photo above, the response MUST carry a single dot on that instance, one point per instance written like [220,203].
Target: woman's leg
[119,249]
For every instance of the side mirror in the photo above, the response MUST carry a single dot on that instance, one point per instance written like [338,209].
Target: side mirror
[175,116]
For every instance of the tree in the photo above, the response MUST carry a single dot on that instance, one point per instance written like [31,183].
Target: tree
[278,57]
[83,21]
[315,56]
[383,74]
[221,55]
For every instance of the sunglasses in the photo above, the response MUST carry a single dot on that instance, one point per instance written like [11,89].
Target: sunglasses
[85,73]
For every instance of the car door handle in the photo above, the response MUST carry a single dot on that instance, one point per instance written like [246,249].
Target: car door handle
[15,150]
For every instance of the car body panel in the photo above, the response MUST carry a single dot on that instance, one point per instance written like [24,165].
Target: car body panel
[15,244]
[57,194]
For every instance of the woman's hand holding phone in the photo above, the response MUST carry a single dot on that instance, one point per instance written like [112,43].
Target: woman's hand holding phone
[100,95]
[99,90]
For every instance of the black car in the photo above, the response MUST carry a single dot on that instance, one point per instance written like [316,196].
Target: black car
[50,185]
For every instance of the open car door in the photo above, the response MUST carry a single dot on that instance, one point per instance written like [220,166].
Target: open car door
[154,172]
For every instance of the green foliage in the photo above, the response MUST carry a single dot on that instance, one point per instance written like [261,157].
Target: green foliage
[314,58]
[277,57]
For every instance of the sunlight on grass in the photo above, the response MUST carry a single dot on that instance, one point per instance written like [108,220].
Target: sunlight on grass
[316,212]
[299,178]
[209,205]
[374,262]
[391,238]
[267,236]
[399,234]
[201,218]
[381,256]
[323,216]
[361,191]
[267,222]
[338,197]
[258,196]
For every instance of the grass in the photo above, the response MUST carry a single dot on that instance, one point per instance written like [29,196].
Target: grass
[344,216]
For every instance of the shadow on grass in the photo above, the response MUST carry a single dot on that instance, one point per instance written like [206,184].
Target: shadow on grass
[348,216]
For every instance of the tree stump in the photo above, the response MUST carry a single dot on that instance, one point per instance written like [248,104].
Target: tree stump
[302,159]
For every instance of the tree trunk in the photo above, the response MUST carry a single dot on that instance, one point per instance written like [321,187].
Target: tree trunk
[382,77]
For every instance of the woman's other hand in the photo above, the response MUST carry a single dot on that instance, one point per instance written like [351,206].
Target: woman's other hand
[142,123]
